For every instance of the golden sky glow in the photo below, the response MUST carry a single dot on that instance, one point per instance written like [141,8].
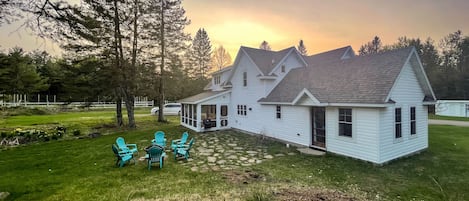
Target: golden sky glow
[323,25]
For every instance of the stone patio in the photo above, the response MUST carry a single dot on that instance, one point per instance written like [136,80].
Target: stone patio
[226,150]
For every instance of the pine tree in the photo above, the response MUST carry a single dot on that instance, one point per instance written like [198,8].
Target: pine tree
[265,46]
[201,51]
[302,48]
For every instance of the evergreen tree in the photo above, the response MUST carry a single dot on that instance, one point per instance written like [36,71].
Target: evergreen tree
[265,46]
[200,52]
[302,48]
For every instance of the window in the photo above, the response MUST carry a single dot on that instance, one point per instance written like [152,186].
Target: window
[283,68]
[242,110]
[398,122]
[224,110]
[279,112]
[345,122]
[413,129]
[216,79]
[245,79]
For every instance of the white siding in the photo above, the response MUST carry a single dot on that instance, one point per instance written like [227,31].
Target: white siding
[365,129]
[452,108]
[293,126]
[291,62]
[248,96]
[406,93]
[223,78]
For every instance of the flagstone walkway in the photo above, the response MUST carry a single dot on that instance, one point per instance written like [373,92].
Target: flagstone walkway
[227,150]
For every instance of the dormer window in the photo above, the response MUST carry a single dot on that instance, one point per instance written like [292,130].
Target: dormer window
[283,68]
[216,79]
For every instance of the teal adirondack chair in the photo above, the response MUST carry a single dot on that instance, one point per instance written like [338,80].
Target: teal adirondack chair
[122,156]
[155,154]
[159,139]
[126,147]
[179,142]
[184,150]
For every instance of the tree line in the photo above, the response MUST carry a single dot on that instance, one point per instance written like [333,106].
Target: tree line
[113,48]
[446,64]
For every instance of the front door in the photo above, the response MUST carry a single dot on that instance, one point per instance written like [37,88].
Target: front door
[318,137]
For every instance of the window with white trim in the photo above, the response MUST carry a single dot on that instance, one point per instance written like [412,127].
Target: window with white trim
[245,79]
[216,79]
[283,68]
[242,110]
[345,122]
[398,122]
[413,122]
[279,112]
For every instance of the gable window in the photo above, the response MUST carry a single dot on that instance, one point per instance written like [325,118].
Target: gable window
[216,79]
[345,122]
[398,122]
[283,68]
[413,128]
[245,79]
[279,112]
[242,110]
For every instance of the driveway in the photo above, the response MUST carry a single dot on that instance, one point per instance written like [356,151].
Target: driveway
[448,122]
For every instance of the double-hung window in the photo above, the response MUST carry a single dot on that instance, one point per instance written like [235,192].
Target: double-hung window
[345,122]
[398,122]
[413,126]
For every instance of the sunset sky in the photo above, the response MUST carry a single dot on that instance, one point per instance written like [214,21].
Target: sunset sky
[323,25]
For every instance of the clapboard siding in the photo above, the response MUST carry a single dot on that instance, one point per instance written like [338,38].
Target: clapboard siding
[293,126]
[365,128]
[406,93]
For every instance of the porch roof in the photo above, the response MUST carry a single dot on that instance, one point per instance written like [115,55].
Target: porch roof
[195,99]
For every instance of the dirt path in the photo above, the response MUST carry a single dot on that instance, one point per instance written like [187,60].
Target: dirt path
[448,122]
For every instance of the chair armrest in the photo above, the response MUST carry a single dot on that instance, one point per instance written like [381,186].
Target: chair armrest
[132,145]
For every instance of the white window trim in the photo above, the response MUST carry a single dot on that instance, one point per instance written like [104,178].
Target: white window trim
[354,132]
[401,139]
[278,111]
[413,136]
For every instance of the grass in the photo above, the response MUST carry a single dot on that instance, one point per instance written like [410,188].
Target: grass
[84,169]
[432,116]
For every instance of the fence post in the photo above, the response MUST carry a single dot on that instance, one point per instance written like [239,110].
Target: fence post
[47,100]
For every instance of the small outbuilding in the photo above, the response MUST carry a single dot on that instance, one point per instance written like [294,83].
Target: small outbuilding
[453,108]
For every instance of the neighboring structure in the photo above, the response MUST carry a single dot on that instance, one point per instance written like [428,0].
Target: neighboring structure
[373,107]
[454,108]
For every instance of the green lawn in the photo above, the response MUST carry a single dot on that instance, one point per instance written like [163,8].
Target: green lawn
[84,169]
[432,116]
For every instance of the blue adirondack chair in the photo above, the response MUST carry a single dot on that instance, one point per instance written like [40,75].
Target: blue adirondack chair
[159,139]
[184,150]
[122,156]
[126,147]
[179,142]
[155,154]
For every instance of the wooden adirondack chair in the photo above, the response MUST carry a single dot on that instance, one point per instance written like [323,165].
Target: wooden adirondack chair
[184,150]
[179,142]
[155,154]
[159,139]
[122,156]
[126,147]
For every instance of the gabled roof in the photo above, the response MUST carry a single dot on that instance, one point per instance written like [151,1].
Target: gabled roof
[331,79]
[266,60]
[224,69]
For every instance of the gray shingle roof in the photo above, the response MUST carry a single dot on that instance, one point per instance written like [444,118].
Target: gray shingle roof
[266,60]
[201,96]
[360,79]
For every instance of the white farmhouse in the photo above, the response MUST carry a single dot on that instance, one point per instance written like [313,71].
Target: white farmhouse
[372,108]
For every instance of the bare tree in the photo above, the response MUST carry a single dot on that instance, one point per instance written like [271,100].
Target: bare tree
[220,58]
[265,46]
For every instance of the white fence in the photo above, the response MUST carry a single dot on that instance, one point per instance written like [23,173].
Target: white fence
[21,100]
